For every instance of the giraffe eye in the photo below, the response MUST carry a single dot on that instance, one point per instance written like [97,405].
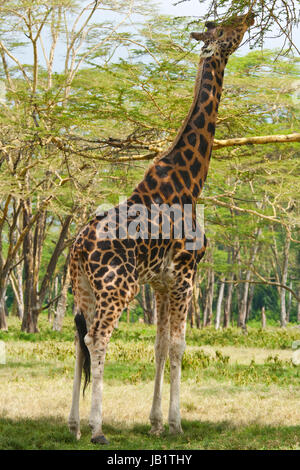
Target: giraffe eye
[220,33]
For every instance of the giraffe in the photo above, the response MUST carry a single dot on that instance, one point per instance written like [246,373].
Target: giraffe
[106,270]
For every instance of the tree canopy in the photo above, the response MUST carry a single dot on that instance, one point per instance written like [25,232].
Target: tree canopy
[80,134]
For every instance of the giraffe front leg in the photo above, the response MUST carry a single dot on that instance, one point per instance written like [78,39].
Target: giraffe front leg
[178,314]
[161,351]
[97,349]
[177,347]
[74,421]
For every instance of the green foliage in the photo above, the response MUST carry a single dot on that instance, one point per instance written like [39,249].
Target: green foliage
[269,338]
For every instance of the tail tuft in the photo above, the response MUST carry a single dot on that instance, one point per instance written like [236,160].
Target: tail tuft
[82,331]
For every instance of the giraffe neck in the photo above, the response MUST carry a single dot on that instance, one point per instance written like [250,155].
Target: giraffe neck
[191,149]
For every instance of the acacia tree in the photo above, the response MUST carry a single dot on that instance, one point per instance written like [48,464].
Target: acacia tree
[36,109]
[64,133]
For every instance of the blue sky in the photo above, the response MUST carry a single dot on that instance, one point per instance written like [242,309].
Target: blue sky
[194,8]
[168,7]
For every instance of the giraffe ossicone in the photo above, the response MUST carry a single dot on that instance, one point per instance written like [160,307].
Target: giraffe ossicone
[107,267]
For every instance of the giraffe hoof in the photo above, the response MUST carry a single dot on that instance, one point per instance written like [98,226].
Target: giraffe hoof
[75,430]
[156,430]
[175,430]
[99,440]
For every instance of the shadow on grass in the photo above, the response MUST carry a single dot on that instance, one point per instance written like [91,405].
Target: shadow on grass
[53,433]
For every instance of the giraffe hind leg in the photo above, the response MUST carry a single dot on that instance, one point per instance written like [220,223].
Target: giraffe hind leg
[97,340]
[85,304]
[74,420]
[82,331]
[110,303]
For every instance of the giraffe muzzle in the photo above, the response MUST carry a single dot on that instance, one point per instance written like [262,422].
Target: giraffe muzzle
[200,36]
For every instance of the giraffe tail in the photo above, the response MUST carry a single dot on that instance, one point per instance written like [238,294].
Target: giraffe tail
[82,331]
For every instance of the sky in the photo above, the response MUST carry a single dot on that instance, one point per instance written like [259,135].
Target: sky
[194,8]
[168,7]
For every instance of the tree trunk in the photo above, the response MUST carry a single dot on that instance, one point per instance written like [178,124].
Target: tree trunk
[195,300]
[191,314]
[19,276]
[283,312]
[53,305]
[208,311]
[62,303]
[231,258]
[219,303]
[228,301]
[59,247]
[298,306]
[33,299]
[289,306]
[243,309]
[16,276]
[154,309]
[148,304]
[29,322]
[250,300]
[3,322]
[17,286]
[263,318]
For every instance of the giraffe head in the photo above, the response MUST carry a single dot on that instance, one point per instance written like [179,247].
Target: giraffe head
[225,38]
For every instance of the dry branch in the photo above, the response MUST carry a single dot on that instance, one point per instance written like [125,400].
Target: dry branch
[265,139]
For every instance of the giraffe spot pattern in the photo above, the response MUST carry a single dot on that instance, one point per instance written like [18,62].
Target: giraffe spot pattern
[211,128]
[188,154]
[192,139]
[203,145]
[209,108]
[200,121]
[195,168]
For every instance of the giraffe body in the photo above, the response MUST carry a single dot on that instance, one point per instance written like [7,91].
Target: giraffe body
[148,238]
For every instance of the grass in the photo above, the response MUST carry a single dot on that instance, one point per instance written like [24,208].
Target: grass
[52,434]
[238,391]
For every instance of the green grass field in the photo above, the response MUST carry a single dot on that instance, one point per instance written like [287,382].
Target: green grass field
[238,391]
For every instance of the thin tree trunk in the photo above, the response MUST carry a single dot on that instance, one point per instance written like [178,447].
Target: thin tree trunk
[3,322]
[219,303]
[148,304]
[62,304]
[52,308]
[149,294]
[19,276]
[283,312]
[59,247]
[227,303]
[154,308]
[196,293]
[250,300]
[289,306]
[209,300]
[263,318]
[191,314]
[29,322]
[231,257]
[16,277]
[17,287]
[243,309]
[298,306]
